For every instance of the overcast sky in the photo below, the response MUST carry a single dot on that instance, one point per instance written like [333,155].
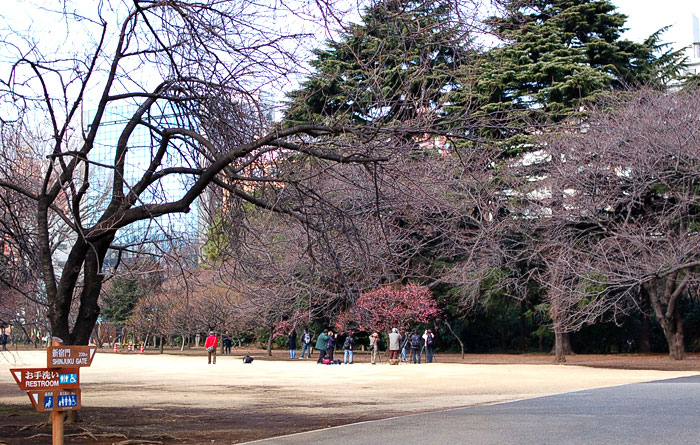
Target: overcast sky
[647,16]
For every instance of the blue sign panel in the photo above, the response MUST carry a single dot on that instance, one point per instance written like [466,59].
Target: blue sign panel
[48,402]
[67,378]
[67,401]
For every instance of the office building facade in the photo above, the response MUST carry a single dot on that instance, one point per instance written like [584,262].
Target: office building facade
[154,235]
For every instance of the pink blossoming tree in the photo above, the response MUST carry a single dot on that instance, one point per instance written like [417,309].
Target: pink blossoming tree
[390,307]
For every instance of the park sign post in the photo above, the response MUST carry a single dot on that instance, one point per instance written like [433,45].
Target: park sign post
[56,388]
[29,379]
[69,356]
[57,400]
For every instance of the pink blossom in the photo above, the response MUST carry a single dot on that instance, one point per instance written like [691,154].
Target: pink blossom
[389,307]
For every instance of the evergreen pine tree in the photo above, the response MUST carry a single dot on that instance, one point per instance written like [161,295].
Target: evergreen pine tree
[397,63]
[555,55]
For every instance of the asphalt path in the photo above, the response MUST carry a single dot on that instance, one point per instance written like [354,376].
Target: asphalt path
[659,412]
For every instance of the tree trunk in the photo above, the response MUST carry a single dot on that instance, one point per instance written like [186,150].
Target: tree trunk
[269,343]
[565,344]
[162,341]
[670,320]
[89,310]
[568,349]
[675,336]
[522,326]
[461,345]
[559,350]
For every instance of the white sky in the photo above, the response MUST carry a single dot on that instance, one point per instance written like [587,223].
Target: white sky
[647,16]
[644,18]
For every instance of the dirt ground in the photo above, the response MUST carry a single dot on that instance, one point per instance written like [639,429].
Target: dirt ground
[174,398]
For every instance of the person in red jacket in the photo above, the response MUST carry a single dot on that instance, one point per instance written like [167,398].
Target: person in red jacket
[210,345]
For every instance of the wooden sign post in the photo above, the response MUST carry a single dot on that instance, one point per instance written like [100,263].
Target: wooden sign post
[56,388]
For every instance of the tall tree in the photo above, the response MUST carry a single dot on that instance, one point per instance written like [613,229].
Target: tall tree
[395,65]
[195,63]
[554,55]
[633,190]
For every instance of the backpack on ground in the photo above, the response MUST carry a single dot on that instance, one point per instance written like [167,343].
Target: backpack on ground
[247,359]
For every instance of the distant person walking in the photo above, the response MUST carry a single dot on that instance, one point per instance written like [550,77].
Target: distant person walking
[394,344]
[348,347]
[292,344]
[210,345]
[374,347]
[322,345]
[306,344]
[227,343]
[415,347]
[429,345]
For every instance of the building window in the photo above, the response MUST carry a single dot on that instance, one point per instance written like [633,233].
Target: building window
[696,50]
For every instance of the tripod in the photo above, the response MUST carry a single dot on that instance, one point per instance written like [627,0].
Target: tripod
[378,355]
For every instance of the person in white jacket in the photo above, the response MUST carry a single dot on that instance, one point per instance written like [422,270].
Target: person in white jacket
[394,344]
[429,339]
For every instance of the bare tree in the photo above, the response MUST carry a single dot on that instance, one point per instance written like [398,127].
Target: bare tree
[629,183]
[183,72]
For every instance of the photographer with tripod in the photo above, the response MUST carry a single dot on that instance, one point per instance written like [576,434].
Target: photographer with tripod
[374,347]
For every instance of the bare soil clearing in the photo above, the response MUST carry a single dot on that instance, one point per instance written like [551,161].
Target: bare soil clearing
[177,398]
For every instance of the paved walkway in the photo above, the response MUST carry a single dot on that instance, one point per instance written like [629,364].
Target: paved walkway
[660,412]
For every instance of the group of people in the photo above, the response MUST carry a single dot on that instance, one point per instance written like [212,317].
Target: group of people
[399,343]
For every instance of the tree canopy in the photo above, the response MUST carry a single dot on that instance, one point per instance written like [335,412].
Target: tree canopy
[398,62]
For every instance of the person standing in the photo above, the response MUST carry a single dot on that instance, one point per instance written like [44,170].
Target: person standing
[404,344]
[227,343]
[374,347]
[322,345]
[429,345]
[292,344]
[210,345]
[348,346]
[331,345]
[3,338]
[306,342]
[415,347]
[394,344]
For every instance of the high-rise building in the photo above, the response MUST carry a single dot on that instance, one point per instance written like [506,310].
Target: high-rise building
[694,49]
[151,235]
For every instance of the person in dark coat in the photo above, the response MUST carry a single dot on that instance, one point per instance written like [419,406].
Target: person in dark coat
[292,344]
[415,343]
[348,347]
[3,338]
[322,345]
[227,343]
[405,338]
[331,344]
